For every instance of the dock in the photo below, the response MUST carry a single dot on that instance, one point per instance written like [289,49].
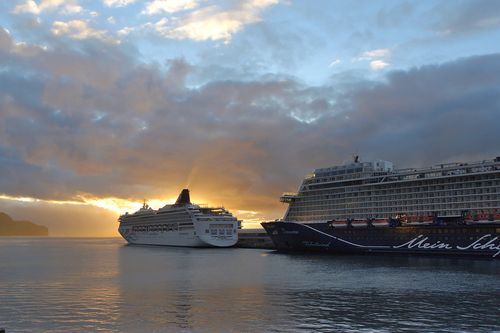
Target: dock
[254,239]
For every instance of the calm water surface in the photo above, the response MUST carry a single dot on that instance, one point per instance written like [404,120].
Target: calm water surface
[103,285]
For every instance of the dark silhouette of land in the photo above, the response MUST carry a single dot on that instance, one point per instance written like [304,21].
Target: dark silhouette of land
[9,227]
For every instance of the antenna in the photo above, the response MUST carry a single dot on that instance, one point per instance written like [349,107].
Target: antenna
[356,156]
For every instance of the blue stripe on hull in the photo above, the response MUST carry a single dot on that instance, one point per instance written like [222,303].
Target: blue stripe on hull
[437,240]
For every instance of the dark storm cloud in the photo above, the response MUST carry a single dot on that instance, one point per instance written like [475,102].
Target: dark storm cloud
[91,120]
[433,113]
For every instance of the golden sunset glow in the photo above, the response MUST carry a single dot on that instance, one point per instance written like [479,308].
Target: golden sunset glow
[118,206]
[29,199]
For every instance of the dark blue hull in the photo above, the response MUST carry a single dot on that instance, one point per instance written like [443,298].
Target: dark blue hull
[458,240]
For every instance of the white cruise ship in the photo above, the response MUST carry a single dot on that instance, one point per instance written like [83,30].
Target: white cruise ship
[180,224]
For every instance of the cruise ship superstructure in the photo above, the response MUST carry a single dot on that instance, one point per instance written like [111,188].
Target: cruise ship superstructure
[180,224]
[450,208]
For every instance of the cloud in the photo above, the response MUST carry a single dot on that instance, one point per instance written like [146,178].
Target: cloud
[186,19]
[168,6]
[334,63]
[378,53]
[66,6]
[71,9]
[77,29]
[105,126]
[212,22]
[377,58]
[29,6]
[125,31]
[468,17]
[118,3]
[378,65]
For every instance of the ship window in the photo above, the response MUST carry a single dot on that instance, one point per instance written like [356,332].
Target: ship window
[206,231]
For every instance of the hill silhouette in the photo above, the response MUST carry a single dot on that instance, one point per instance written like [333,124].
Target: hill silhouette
[9,227]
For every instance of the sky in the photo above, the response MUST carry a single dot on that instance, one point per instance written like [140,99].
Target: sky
[105,103]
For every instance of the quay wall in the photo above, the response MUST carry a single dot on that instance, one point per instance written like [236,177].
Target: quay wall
[254,239]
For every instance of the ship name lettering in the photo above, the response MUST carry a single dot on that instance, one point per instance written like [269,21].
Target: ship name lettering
[421,242]
[477,245]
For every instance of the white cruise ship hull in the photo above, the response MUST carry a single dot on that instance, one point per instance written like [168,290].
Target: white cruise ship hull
[159,238]
[179,239]
[199,234]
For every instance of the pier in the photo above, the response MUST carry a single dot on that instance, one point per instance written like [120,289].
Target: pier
[254,239]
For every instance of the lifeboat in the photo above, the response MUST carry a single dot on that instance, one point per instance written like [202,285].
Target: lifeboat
[380,222]
[359,223]
[496,217]
[482,218]
[468,219]
[338,223]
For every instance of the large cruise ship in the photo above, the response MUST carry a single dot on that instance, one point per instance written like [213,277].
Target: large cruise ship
[180,224]
[370,207]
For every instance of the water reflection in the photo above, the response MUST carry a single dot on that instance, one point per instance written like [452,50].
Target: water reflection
[191,290]
[55,285]
[83,285]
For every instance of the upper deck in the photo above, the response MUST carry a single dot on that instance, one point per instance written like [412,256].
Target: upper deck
[382,172]
[360,190]
[359,173]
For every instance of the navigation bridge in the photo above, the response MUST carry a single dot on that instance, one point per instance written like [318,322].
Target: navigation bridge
[289,197]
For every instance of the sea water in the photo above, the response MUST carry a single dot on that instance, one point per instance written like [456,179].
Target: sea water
[104,285]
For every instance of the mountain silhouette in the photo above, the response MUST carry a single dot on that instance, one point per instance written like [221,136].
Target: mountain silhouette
[9,227]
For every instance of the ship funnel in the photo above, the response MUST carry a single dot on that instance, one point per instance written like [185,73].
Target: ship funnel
[183,198]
